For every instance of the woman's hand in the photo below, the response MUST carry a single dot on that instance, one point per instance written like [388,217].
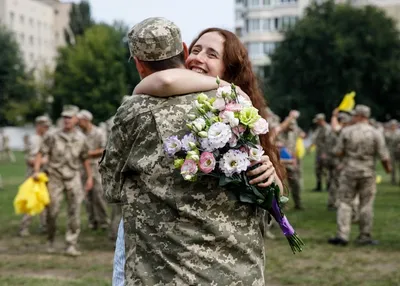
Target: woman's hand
[265,174]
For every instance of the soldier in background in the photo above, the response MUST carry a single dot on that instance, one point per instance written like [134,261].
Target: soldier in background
[359,144]
[5,151]
[95,205]
[392,137]
[67,150]
[319,139]
[42,125]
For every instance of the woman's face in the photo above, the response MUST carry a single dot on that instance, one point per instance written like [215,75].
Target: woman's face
[207,54]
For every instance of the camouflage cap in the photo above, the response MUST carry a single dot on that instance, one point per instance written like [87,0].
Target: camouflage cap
[344,117]
[85,114]
[319,116]
[155,39]
[70,110]
[362,110]
[43,120]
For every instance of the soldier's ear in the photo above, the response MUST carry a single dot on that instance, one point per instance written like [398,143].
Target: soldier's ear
[140,68]
[185,50]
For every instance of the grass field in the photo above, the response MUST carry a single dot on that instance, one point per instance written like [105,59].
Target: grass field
[23,261]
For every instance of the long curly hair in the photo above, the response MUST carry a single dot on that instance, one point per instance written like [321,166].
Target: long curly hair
[238,70]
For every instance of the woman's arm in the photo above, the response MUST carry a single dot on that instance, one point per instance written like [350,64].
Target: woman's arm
[174,82]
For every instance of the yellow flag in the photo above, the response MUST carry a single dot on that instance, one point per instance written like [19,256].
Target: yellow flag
[378,179]
[348,102]
[300,149]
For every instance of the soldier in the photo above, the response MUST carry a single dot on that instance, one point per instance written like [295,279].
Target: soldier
[179,224]
[5,151]
[95,205]
[319,140]
[42,124]
[67,150]
[359,144]
[392,137]
[338,122]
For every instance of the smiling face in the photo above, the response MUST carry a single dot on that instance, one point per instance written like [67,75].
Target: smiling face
[206,56]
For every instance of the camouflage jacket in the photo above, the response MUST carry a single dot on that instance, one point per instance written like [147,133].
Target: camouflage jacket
[320,138]
[95,139]
[176,232]
[392,139]
[361,144]
[66,152]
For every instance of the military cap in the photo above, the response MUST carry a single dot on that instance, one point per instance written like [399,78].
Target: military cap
[344,117]
[155,39]
[393,122]
[362,110]
[70,110]
[43,120]
[319,116]
[85,114]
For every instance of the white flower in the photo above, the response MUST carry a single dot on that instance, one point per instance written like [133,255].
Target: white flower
[233,140]
[172,145]
[260,127]
[229,117]
[188,138]
[255,154]
[199,124]
[224,91]
[219,104]
[205,145]
[243,101]
[234,161]
[219,134]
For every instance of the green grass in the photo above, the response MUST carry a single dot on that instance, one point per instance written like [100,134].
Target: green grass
[24,262]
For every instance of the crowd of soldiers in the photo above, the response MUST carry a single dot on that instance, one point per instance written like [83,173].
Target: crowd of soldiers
[345,154]
[69,153]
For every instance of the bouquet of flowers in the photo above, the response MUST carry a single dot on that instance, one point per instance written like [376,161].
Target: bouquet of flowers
[222,142]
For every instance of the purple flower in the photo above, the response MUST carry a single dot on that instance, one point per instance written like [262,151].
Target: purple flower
[172,145]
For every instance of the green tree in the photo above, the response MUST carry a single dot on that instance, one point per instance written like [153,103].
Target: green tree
[16,89]
[93,74]
[80,19]
[333,50]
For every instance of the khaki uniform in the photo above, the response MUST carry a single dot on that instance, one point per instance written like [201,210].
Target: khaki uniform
[32,148]
[176,232]
[5,151]
[334,165]
[320,139]
[95,204]
[392,141]
[66,151]
[361,144]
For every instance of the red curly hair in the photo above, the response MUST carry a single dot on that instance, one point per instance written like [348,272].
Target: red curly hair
[238,70]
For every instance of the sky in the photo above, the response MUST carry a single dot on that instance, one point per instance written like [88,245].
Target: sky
[191,16]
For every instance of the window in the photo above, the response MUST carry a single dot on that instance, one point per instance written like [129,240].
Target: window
[255,50]
[254,3]
[12,15]
[22,19]
[254,25]
[267,2]
[31,40]
[22,38]
[269,48]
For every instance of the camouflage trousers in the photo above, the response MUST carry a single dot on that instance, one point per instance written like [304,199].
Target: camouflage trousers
[294,181]
[394,158]
[7,154]
[27,220]
[321,170]
[349,188]
[95,204]
[116,215]
[333,187]
[74,194]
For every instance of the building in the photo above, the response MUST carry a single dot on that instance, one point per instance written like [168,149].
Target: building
[39,29]
[259,23]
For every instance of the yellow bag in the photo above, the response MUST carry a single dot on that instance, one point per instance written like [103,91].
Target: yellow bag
[32,196]
[300,149]
[348,102]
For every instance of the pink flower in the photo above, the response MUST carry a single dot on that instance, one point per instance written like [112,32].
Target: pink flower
[233,141]
[189,169]
[207,162]
[260,127]
[239,130]
[233,107]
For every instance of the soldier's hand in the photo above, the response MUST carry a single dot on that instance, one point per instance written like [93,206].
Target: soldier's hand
[35,176]
[89,184]
[265,173]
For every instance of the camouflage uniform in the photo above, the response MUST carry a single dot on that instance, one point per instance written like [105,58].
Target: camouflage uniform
[5,151]
[360,143]
[333,167]
[392,138]
[176,233]
[96,206]
[32,148]
[320,138]
[66,151]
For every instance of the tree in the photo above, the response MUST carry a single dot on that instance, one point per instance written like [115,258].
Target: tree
[92,74]
[80,19]
[16,89]
[335,49]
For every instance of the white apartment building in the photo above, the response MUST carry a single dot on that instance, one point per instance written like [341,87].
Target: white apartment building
[259,23]
[38,26]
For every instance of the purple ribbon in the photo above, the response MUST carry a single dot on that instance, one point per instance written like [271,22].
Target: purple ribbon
[284,224]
